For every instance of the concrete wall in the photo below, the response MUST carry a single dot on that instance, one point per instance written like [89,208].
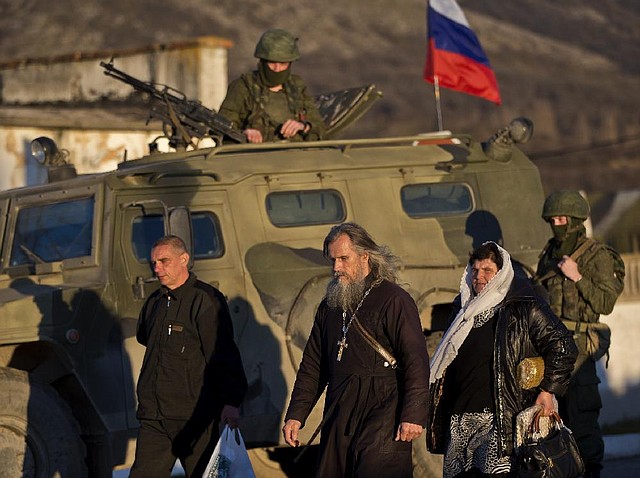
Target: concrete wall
[89,150]
[196,67]
[620,387]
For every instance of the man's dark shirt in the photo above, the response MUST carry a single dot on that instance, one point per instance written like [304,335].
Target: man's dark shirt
[191,357]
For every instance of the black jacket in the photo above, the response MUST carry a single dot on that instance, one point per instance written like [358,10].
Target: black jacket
[526,327]
[192,366]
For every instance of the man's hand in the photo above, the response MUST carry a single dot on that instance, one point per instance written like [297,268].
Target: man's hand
[290,432]
[253,135]
[569,268]
[230,416]
[408,431]
[290,128]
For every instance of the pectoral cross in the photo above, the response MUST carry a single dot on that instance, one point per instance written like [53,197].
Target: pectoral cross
[343,345]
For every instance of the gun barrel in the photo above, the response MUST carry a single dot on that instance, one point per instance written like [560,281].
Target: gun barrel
[189,113]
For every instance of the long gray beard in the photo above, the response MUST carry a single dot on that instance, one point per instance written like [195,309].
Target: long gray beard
[344,296]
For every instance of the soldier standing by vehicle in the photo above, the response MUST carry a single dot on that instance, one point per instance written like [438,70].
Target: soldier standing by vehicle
[192,376]
[271,103]
[584,279]
[373,408]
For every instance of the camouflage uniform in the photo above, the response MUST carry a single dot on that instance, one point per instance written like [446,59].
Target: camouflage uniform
[582,301]
[250,104]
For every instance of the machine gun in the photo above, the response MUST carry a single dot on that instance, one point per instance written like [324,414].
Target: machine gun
[182,119]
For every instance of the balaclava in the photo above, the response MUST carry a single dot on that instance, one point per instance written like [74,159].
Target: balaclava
[272,78]
[566,237]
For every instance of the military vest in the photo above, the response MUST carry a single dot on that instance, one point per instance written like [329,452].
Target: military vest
[564,297]
[260,117]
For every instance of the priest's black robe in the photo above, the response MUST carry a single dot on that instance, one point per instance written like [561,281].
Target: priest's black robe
[365,400]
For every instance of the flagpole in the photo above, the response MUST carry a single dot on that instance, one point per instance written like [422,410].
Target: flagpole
[436,91]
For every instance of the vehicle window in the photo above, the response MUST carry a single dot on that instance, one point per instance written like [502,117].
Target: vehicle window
[144,232]
[304,208]
[436,199]
[53,232]
[207,238]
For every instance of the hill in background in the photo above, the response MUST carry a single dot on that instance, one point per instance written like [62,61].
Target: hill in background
[573,67]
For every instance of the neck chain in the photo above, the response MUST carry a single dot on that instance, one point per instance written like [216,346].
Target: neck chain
[342,344]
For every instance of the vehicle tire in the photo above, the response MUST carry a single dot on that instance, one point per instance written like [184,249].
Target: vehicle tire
[39,437]
[425,464]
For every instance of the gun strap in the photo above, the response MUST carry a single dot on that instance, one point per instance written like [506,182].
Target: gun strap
[177,123]
[390,359]
[574,255]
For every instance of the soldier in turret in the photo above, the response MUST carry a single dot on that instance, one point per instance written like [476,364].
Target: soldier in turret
[271,103]
[584,279]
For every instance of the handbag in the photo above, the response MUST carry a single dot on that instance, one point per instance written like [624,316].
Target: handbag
[230,458]
[553,456]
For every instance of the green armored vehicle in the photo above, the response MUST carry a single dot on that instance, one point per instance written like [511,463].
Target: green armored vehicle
[74,271]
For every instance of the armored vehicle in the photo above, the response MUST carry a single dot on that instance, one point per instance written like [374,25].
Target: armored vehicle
[74,271]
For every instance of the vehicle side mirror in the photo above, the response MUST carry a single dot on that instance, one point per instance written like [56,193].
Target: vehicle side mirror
[179,224]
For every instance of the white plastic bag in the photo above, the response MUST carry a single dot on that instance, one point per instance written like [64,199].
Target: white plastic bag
[230,458]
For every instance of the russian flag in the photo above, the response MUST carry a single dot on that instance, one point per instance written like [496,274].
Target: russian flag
[454,53]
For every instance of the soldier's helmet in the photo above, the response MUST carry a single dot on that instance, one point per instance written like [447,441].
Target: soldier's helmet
[278,46]
[565,203]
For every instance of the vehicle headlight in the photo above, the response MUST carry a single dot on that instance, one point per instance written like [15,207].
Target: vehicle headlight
[44,150]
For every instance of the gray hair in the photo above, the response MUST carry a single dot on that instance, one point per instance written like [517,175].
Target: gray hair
[383,263]
[175,242]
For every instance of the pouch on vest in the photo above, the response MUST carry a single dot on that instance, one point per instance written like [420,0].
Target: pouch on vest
[598,340]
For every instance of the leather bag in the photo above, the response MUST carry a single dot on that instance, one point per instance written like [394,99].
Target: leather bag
[553,456]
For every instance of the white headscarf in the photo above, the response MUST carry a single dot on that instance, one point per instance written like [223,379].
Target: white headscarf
[492,294]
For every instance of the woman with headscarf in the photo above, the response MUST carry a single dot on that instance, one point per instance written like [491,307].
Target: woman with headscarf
[475,396]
